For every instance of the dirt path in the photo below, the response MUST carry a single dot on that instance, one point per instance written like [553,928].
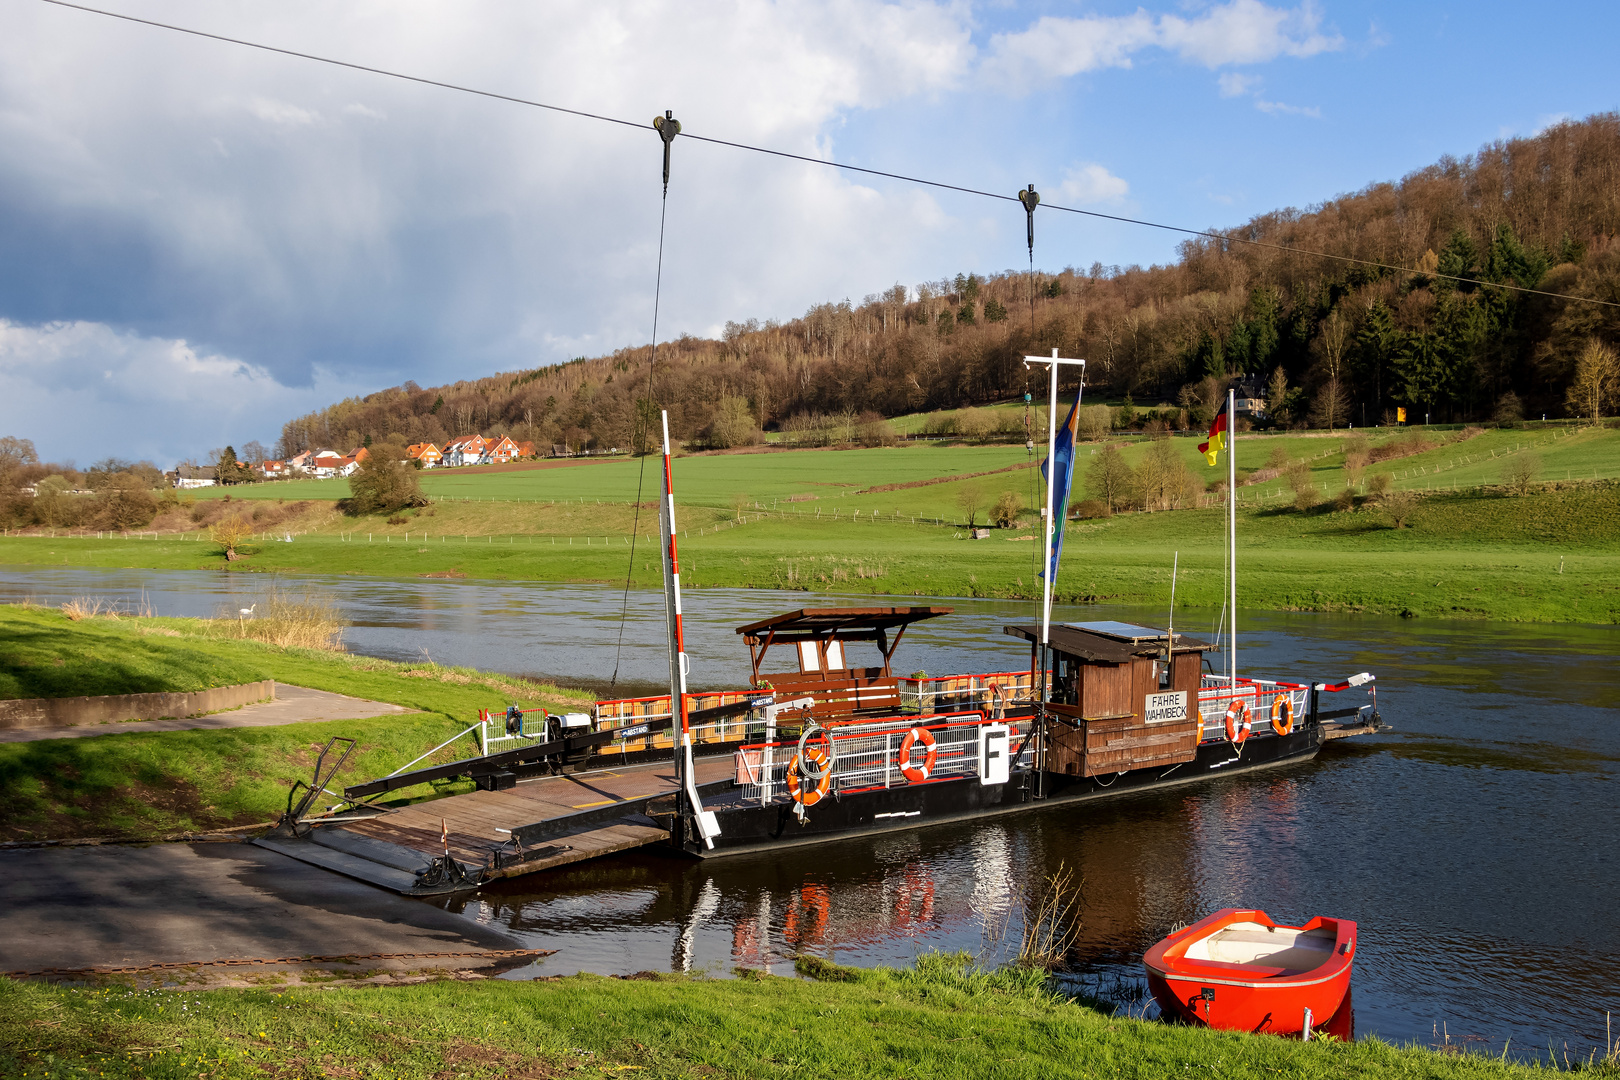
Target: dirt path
[293,705]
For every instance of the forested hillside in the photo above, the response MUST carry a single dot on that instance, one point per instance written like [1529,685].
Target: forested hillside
[1331,342]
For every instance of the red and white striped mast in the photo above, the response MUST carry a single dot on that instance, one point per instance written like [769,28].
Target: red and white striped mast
[707,827]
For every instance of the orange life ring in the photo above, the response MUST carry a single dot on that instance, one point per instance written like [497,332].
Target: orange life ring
[903,759]
[806,790]
[1238,725]
[1282,714]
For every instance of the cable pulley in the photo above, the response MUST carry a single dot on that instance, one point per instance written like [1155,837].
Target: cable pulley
[668,127]
[1030,198]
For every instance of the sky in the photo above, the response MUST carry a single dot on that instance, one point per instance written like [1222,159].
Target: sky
[199,241]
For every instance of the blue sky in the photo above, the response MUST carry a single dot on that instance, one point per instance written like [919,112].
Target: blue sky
[201,241]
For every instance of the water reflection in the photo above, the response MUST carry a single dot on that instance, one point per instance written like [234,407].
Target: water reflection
[1474,843]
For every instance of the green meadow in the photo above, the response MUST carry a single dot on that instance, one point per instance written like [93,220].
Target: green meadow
[149,784]
[942,1018]
[893,521]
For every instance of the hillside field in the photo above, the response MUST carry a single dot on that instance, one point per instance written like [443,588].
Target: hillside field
[822,520]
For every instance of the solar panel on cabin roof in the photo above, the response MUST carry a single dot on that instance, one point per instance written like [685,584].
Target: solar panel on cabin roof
[1119,631]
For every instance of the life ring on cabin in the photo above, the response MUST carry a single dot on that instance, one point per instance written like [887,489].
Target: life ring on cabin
[1282,714]
[809,776]
[911,772]
[1238,724]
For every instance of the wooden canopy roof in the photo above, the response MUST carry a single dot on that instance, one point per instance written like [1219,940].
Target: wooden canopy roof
[842,624]
[1108,647]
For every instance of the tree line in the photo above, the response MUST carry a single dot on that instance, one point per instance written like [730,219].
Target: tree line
[1328,343]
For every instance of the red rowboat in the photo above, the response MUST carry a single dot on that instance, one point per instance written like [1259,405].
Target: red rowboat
[1240,971]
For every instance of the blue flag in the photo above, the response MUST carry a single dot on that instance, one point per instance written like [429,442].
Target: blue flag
[1059,473]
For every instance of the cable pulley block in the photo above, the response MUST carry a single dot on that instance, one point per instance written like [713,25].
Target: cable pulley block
[667,127]
[1030,198]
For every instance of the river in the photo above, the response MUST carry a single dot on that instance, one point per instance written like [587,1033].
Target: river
[1475,843]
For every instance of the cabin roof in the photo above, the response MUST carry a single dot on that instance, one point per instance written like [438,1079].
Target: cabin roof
[841,622]
[1111,642]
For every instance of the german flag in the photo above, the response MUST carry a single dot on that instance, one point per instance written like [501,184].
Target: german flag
[1217,438]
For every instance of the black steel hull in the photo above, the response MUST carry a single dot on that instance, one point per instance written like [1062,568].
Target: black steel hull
[746,828]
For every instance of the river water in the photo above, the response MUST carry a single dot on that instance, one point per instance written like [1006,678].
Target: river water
[1476,843]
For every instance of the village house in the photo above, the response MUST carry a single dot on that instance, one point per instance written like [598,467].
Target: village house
[525,450]
[426,453]
[194,476]
[326,463]
[467,450]
[503,451]
[273,470]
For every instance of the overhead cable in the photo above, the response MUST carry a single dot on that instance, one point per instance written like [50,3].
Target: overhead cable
[903,177]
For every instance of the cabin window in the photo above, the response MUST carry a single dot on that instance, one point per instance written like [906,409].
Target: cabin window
[835,655]
[809,659]
[1162,669]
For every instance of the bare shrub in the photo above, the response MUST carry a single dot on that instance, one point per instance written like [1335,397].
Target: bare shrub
[971,501]
[1005,513]
[1095,421]
[1520,471]
[974,423]
[230,534]
[1413,442]
[1399,505]
[1298,475]
[1378,485]
[1091,508]
[1345,500]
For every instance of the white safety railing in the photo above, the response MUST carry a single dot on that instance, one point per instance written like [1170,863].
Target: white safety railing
[867,755]
[1215,697]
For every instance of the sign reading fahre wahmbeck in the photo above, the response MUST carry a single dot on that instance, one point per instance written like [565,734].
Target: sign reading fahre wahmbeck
[1163,708]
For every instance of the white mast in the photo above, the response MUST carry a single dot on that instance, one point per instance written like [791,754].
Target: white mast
[1231,535]
[1050,522]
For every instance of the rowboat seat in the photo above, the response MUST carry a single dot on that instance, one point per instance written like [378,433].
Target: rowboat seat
[1252,945]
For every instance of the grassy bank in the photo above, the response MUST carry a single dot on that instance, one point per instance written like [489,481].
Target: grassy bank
[1552,555]
[940,1019]
[43,655]
[148,784]
[893,521]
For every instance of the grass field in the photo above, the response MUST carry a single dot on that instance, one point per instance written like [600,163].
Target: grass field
[941,1019]
[148,784]
[891,521]
[44,655]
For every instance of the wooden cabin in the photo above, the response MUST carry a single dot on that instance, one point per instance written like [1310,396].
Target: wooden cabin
[818,640]
[1122,696]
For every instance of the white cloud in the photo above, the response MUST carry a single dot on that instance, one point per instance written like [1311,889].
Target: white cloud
[1090,185]
[1275,108]
[281,113]
[1234,84]
[1238,32]
[83,391]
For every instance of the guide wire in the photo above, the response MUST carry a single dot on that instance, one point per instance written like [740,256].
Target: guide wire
[940,184]
[666,131]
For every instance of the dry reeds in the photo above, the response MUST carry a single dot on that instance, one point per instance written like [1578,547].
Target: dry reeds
[93,607]
[1051,920]
[288,620]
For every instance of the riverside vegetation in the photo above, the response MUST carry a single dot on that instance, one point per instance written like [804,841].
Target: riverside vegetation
[943,1017]
[1513,524]
[146,785]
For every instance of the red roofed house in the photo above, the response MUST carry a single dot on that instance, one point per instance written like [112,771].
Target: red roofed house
[525,449]
[326,463]
[467,450]
[503,451]
[426,453]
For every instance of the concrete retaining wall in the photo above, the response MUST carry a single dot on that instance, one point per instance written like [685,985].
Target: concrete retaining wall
[74,711]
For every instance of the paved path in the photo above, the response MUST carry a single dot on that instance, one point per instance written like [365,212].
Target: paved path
[293,705]
[126,906]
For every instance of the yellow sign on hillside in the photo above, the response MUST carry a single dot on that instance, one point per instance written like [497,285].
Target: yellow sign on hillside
[1400,415]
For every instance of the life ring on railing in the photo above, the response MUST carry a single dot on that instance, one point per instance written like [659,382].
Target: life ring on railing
[809,776]
[903,758]
[1282,714]
[1238,724]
